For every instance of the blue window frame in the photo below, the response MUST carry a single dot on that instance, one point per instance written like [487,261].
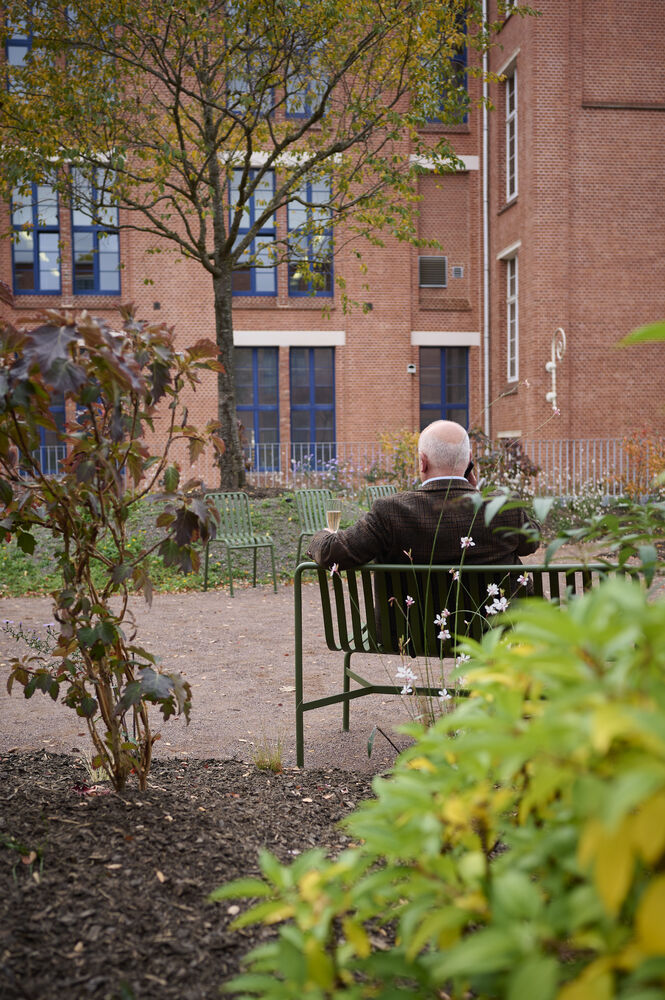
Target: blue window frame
[36,240]
[258,276]
[257,403]
[95,240]
[312,387]
[309,221]
[444,384]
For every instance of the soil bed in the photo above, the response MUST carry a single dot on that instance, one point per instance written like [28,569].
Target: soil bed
[105,896]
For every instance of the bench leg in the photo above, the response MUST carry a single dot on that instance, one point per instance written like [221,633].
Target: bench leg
[205,566]
[254,574]
[274,574]
[347,688]
[228,563]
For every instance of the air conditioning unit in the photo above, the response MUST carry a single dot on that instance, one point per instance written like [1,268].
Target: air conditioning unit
[433,272]
[457,271]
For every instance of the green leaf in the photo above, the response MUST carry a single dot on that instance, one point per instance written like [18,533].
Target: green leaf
[87,707]
[494,506]
[241,888]
[25,542]
[649,332]
[171,479]
[535,978]
[106,632]
[542,507]
[121,572]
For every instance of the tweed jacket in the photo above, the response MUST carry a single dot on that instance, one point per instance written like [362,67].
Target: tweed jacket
[427,526]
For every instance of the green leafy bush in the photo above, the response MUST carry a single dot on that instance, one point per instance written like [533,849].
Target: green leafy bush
[113,381]
[517,851]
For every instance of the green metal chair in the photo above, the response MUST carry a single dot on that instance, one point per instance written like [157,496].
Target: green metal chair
[376,492]
[311,506]
[236,532]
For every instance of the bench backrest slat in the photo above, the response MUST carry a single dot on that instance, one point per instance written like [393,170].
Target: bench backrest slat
[366,608]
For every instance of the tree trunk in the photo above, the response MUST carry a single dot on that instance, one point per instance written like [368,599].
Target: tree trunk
[232,463]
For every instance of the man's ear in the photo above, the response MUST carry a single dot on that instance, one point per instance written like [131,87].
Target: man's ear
[423,463]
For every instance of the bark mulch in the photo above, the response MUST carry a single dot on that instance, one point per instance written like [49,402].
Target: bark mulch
[105,896]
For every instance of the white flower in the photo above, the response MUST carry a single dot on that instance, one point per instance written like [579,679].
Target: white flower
[440,620]
[406,675]
[499,604]
[443,634]
[444,696]
[334,569]
[455,573]
[523,580]
[409,601]
[462,658]
[492,589]
[467,541]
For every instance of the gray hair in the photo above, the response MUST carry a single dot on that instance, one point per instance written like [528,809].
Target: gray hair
[445,456]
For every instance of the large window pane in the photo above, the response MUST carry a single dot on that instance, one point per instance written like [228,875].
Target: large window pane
[257,398]
[313,400]
[36,235]
[444,384]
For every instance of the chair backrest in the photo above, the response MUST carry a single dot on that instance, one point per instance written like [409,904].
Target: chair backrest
[381,490]
[311,506]
[234,514]
[367,609]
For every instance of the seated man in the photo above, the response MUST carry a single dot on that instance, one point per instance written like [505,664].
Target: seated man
[434,525]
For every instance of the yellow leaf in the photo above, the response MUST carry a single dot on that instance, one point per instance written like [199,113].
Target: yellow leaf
[647,828]
[456,811]
[320,968]
[310,886]
[650,918]
[356,935]
[422,764]
[595,983]
[608,722]
[613,869]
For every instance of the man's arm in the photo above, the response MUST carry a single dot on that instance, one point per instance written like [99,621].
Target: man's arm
[367,539]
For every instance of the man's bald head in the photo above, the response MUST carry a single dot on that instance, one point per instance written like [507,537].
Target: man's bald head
[443,449]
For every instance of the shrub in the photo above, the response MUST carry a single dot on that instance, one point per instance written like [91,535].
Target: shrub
[112,381]
[503,464]
[517,850]
[645,459]
[399,452]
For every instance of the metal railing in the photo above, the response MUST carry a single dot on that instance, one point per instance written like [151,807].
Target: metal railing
[565,467]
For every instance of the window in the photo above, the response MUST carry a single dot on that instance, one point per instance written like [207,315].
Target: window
[512,319]
[452,99]
[248,94]
[511,136]
[444,384]
[305,85]
[312,371]
[257,402]
[433,272]
[256,274]
[309,220]
[35,249]
[17,46]
[95,240]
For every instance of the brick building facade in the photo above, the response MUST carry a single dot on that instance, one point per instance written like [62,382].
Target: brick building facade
[556,221]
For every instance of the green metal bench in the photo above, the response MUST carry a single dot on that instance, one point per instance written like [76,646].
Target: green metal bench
[236,532]
[364,611]
[311,506]
[377,491]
